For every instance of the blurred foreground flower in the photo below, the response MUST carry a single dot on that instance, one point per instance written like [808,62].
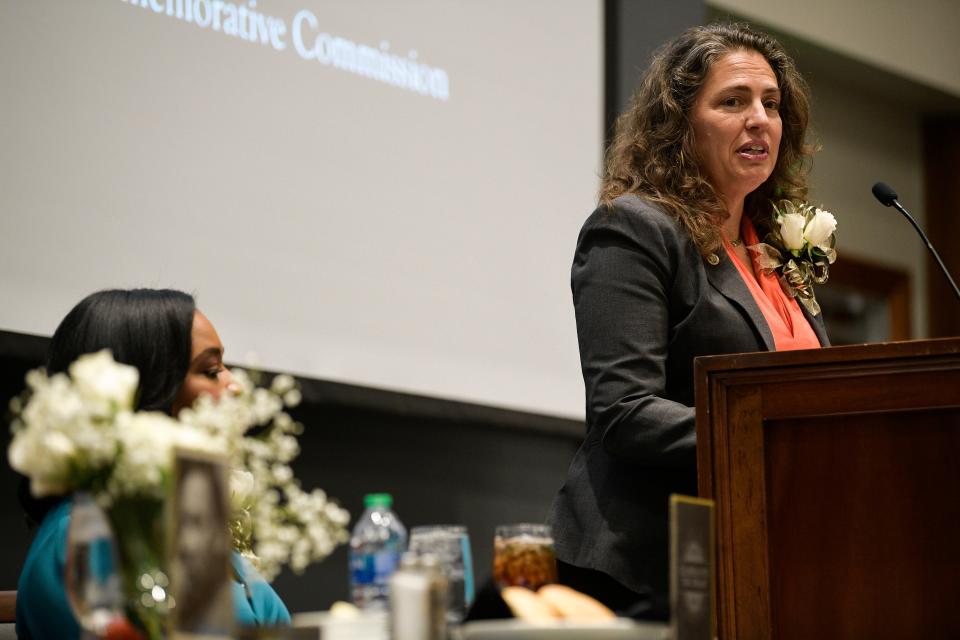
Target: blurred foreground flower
[80,432]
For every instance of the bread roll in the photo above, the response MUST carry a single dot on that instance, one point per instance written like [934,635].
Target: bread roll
[527,605]
[574,605]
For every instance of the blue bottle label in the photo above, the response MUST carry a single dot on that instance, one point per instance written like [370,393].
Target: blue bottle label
[373,568]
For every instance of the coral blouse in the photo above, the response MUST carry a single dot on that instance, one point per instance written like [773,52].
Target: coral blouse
[783,315]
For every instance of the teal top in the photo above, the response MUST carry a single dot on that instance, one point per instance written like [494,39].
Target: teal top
[43,610]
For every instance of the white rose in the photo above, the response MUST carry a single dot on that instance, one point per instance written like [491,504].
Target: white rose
[19,453]
[242,380]
[292,398]
[282,474]
[98,378]
[820,228]
[242,486]
[59,446]
[53,404]
[791,230]
[265,405]
[282,383]
[188,437]
[25,453]
[96,442]
[45,458]
[147,440]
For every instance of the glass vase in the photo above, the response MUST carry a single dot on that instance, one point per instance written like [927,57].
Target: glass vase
[138,526]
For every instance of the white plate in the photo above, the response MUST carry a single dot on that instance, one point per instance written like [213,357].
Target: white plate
[367,625]
[621,629]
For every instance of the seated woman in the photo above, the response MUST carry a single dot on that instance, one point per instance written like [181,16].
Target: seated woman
[179,356]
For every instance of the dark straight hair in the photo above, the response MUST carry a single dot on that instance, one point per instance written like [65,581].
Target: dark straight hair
[149,329]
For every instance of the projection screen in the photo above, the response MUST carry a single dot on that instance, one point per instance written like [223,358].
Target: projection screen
[379,193]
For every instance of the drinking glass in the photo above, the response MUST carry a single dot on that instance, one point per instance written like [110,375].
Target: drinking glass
[451,546]
[523,556]
[91,576]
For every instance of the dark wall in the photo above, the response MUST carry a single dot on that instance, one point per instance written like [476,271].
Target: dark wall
[634,29]
[438,471]
[18,354]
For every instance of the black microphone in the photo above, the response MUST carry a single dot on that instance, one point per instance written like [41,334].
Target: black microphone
[888,197]
[884,193]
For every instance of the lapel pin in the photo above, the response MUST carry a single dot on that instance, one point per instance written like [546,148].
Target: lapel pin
[713,259]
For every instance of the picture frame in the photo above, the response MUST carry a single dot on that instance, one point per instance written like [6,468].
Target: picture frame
[200,546]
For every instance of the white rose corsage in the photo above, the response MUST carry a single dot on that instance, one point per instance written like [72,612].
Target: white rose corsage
[799,249]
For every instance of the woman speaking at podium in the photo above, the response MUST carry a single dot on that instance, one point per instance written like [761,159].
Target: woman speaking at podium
[662,274]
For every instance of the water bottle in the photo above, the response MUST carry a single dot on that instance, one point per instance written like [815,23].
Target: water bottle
[378,540]
[91,578]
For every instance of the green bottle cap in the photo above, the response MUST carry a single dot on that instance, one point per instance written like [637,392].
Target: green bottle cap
[378,500]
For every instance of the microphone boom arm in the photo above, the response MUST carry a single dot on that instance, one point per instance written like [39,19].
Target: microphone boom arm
[926,241]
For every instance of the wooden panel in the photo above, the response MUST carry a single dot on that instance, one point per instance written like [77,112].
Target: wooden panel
[747,507]
[8,606]
[873,391]
[864,524]
[886,282]
[828,468]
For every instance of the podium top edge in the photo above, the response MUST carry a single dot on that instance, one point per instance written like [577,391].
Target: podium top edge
[879,351]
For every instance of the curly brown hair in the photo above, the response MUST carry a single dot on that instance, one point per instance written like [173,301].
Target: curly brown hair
[653,152]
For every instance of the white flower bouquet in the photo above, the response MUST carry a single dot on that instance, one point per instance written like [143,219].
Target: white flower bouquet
[274,522]
[80,432]
[799,249]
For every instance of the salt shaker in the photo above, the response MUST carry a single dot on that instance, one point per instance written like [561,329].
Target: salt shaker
[418,598]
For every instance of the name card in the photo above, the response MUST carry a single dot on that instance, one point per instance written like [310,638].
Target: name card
[692,568]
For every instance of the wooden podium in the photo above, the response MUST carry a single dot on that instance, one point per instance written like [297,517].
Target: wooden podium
[836,474]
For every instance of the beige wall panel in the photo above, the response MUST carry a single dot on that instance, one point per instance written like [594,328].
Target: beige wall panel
[864,140]
[918,40]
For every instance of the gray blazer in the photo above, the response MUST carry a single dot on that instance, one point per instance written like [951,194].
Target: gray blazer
[647,303]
